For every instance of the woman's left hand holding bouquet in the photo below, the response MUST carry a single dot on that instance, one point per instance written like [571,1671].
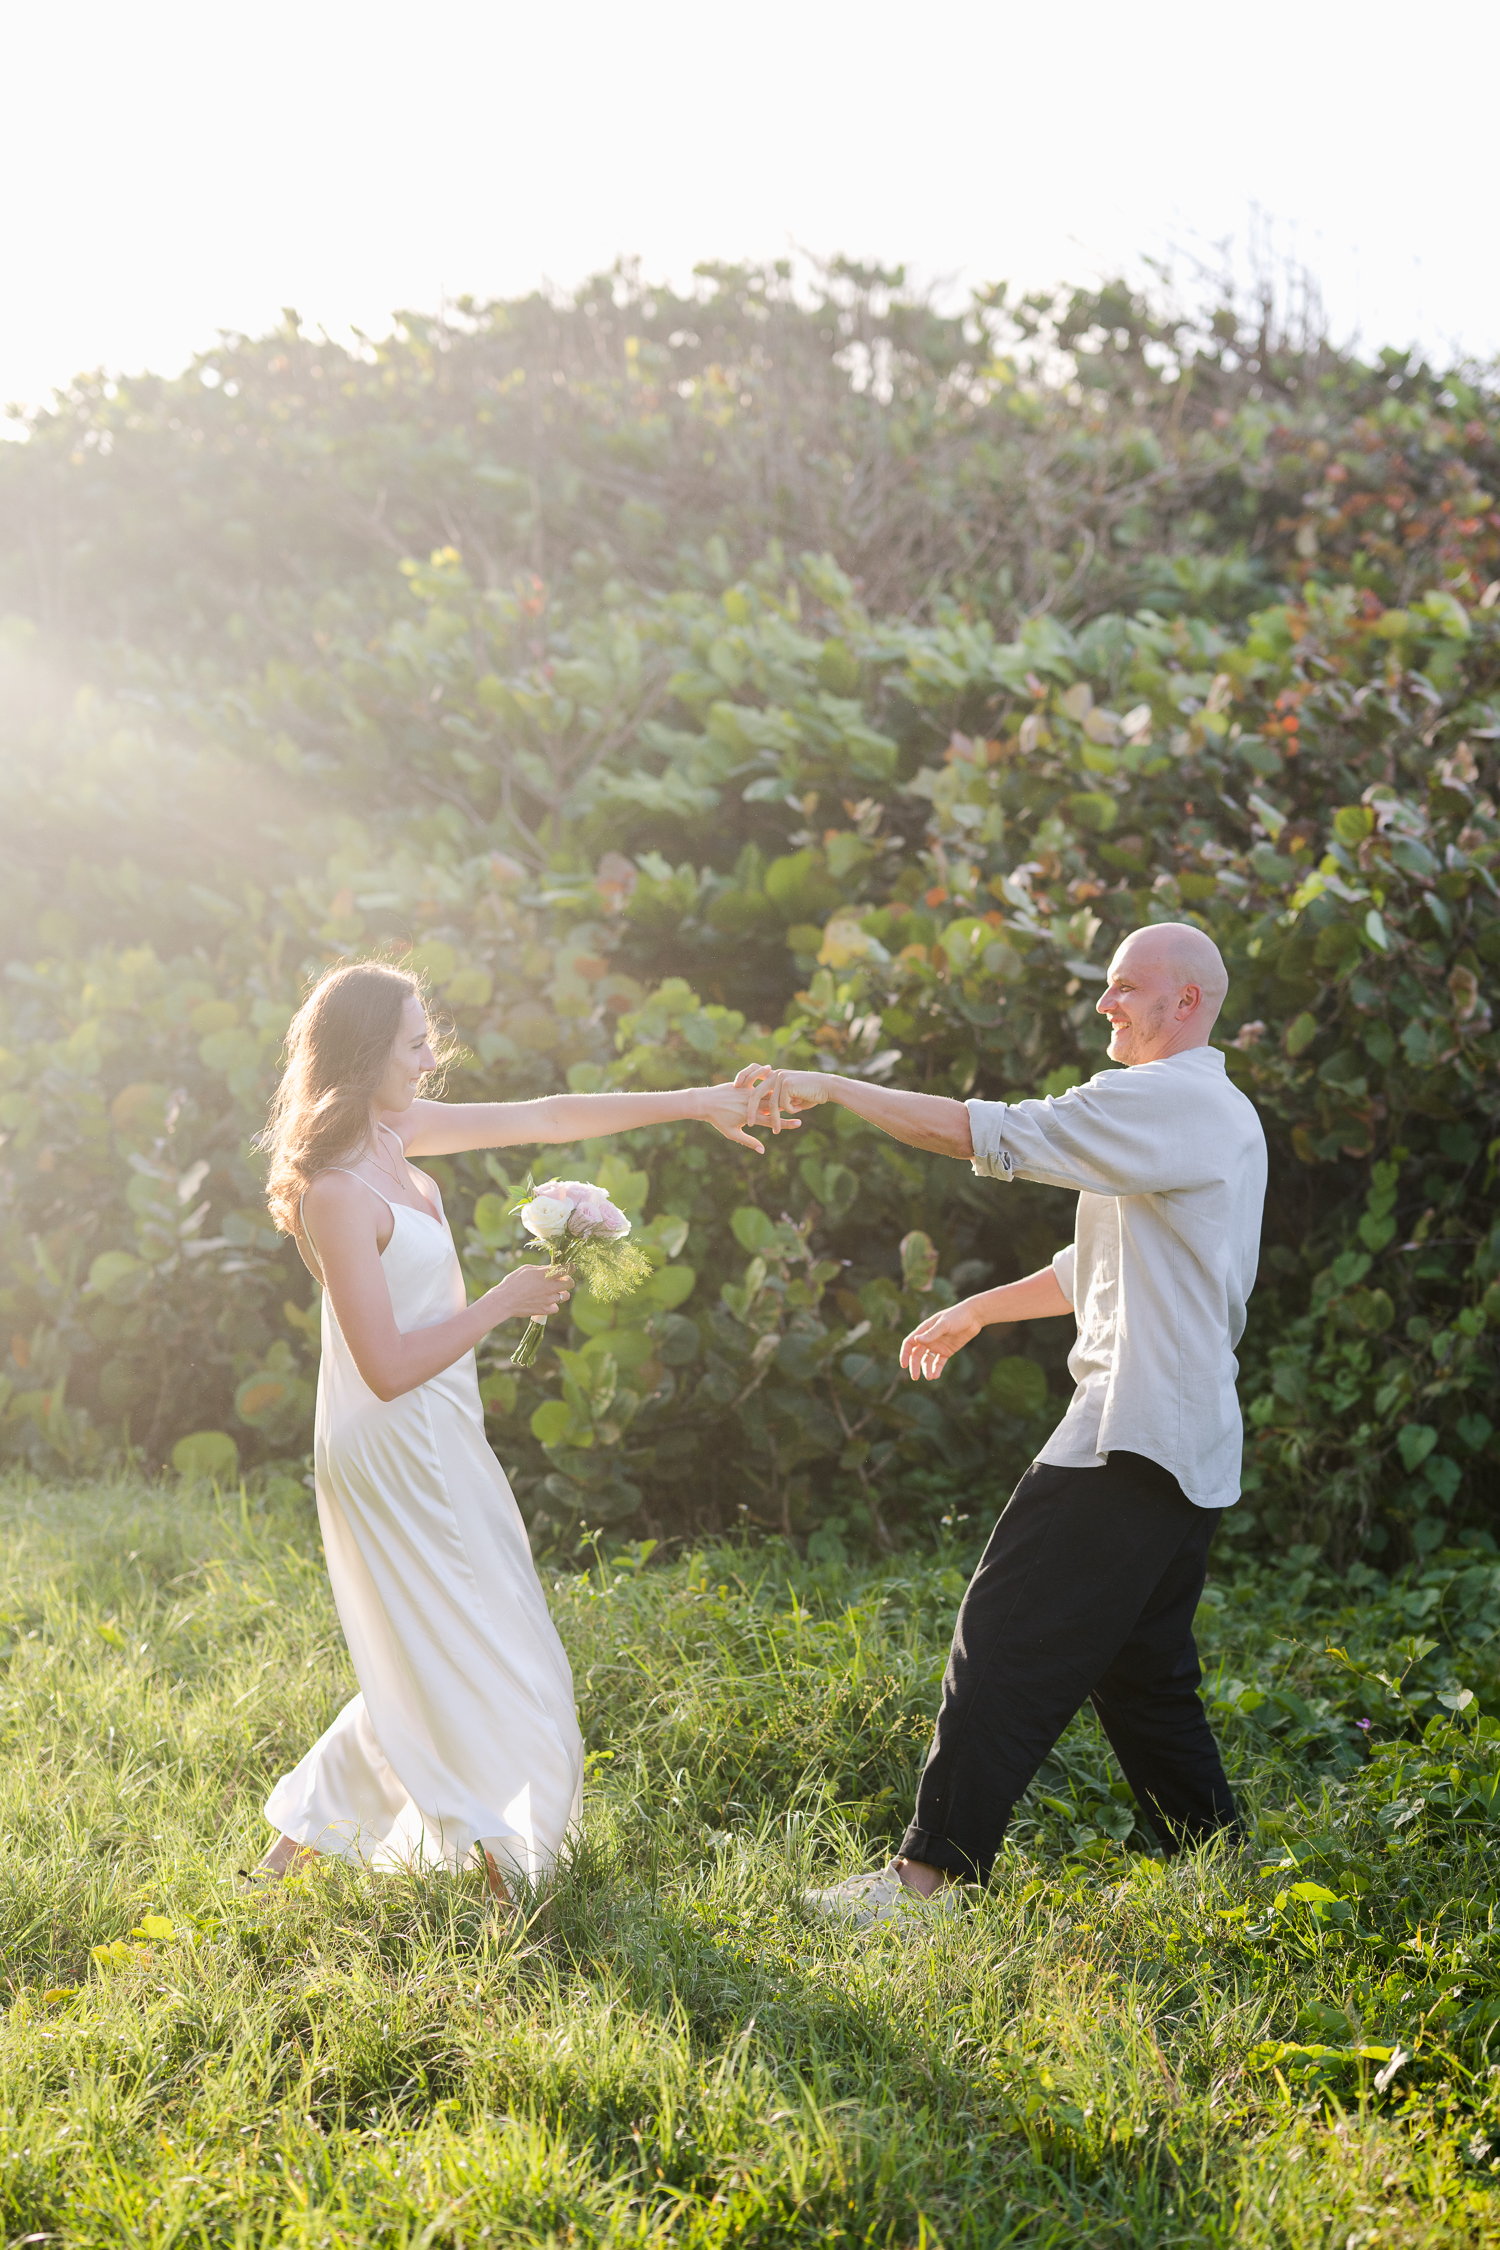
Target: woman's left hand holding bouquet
[583,1232]
[532,1292]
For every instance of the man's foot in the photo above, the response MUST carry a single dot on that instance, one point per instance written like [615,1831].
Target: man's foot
[864,1900]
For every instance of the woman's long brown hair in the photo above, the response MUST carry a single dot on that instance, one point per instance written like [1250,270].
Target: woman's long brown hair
[337,1051]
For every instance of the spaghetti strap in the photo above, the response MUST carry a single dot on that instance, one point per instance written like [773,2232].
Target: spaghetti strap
[307,1233]
[302,1198]
[385,1199]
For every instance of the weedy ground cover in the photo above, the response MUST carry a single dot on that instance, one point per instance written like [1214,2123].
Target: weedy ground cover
[1292,2046]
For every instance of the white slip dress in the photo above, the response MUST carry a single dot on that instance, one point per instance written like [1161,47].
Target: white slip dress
[464,1732]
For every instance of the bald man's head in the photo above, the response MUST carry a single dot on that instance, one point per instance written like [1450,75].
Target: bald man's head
[1166,986]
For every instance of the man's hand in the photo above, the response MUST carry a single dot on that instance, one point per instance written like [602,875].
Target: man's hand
[734,1105]
[928,1349]
[775,1095]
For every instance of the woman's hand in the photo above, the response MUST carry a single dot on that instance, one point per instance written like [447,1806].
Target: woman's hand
[775,1095]
[730,1108]
[928,1349]
[531,1292]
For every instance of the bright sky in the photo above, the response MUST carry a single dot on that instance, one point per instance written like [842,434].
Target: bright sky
[170,169]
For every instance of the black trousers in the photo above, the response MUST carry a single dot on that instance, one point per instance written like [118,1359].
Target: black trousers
[1086,1592]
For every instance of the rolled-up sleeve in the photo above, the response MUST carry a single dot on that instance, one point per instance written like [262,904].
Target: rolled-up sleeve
[1064,1265]
[1125,1132]
[987,1132]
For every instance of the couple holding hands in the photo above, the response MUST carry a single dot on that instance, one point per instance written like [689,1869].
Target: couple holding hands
[463,1738]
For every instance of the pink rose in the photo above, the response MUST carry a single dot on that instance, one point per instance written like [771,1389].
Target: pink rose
[595,1213]
[590,1210]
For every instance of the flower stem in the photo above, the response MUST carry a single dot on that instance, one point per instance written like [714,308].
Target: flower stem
[525,1351]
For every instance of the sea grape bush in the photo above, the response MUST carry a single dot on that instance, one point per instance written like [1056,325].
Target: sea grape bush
[687,804]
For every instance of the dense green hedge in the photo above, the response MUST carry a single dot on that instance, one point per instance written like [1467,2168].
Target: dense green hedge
[691,680]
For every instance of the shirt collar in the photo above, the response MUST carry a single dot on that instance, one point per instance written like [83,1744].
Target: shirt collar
[1213,1057]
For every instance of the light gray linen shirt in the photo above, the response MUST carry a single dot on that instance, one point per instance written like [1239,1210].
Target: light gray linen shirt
[1170,1163]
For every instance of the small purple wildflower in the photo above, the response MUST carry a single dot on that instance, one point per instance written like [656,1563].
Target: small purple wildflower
[1365,1723]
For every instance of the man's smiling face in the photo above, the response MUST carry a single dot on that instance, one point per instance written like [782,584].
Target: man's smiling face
[1166,985]
[1135,1005]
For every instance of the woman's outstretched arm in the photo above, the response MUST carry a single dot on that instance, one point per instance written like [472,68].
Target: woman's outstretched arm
[447,1128]
[930,1121]
[341,1216]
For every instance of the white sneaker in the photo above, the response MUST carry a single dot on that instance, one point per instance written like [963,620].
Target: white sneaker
[864,1900]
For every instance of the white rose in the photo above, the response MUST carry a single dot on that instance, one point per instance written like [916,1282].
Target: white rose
[546,1217]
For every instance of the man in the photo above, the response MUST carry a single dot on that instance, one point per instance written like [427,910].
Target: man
[1087,1588]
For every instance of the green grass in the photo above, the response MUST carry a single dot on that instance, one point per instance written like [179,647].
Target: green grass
[1103,2049]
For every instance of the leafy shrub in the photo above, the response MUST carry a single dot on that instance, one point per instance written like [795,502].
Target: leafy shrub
[692,795]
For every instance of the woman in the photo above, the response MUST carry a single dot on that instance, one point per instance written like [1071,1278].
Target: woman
[463,1736]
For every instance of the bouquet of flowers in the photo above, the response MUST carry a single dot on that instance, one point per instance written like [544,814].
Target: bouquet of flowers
[583,1231]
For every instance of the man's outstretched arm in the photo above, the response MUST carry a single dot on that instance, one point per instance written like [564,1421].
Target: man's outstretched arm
[930,1121]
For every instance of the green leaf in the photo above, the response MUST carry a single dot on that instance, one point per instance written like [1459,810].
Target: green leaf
[470,988]
[498,1393]
[919,1261]
[1447,612]
[834,1185]
[551,1421]
[1094,811]
[680,1342]
[434,959]
[668,1289]
[801,886]
[1301,1032]
[224,1051]
[589,1315]
[628,1347]
[490,1217]
[1353,823]
[837,669]
[1414,1442]
[207,1454]
[1338,947]
[753,1231]
[1017,1386]
[112,1274]
[1373,1310]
